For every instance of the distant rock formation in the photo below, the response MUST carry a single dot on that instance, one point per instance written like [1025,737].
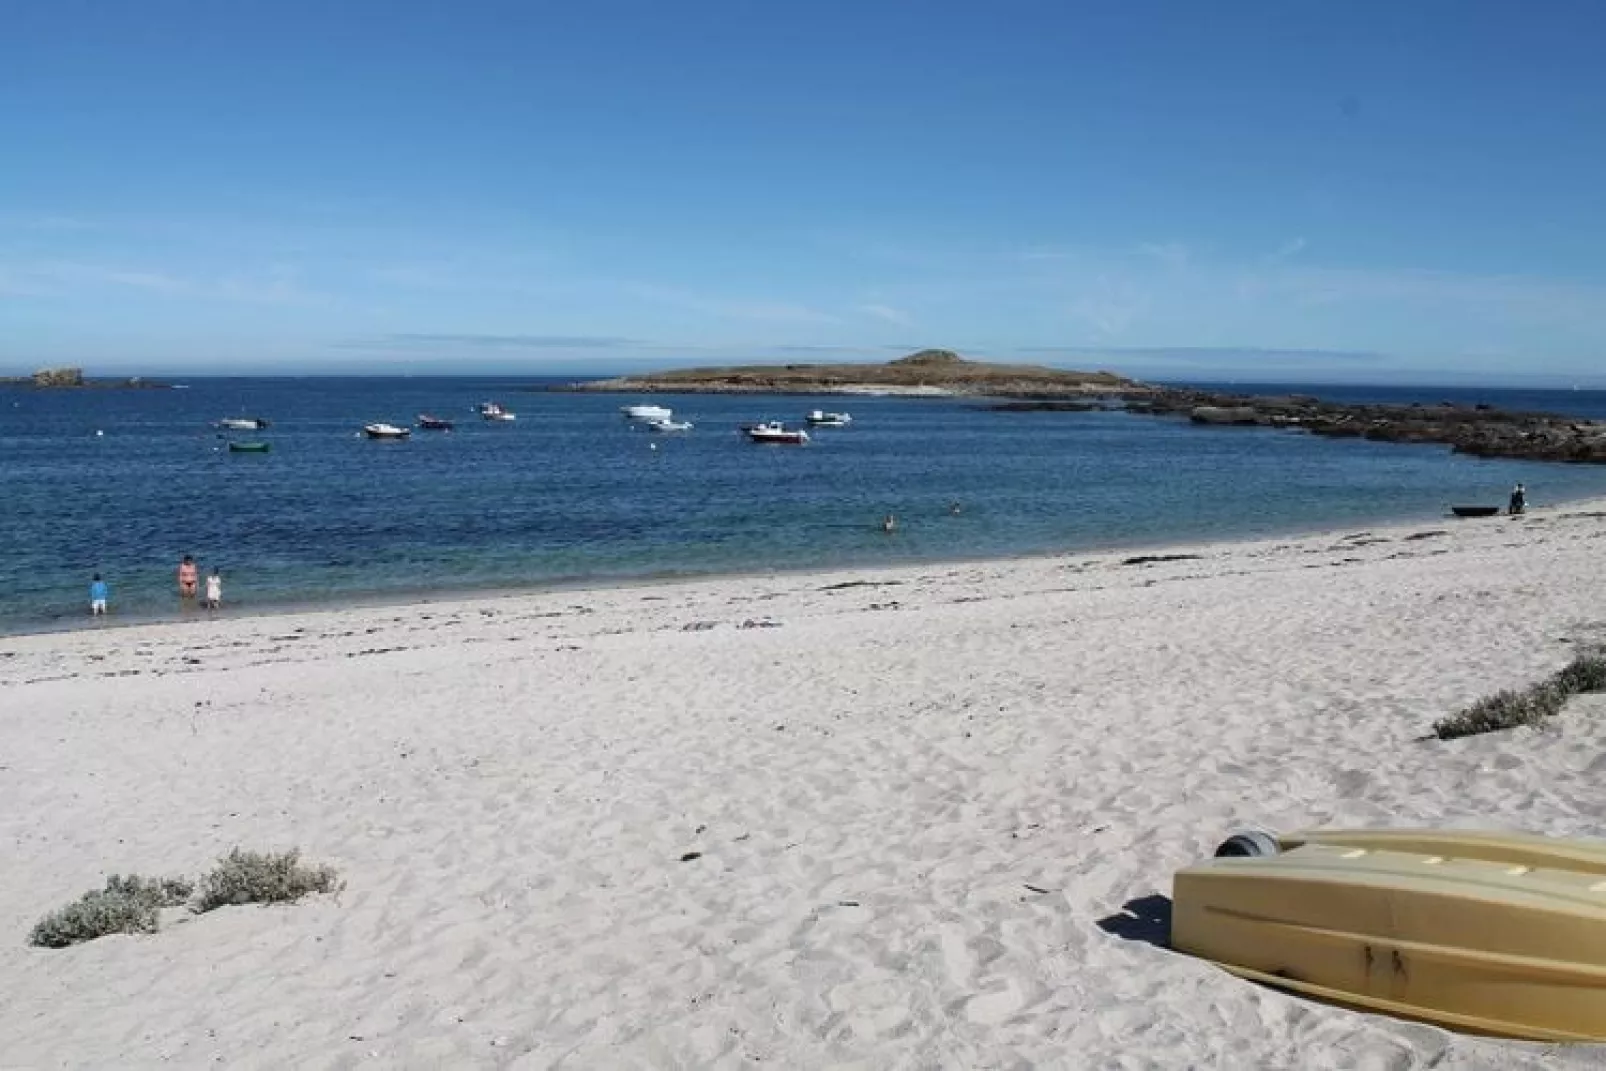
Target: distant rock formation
[59,377]
[925,372]
[72,378]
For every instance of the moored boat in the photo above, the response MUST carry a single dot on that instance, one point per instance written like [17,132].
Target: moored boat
[1490,933]
[1474,511]
[434,423]
[241,423]
[668,425]
[385,431]
[494,411]
[821,419]
[250,448]
[777,433]
[646,412]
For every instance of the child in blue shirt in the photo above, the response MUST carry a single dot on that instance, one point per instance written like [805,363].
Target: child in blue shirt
[98,594]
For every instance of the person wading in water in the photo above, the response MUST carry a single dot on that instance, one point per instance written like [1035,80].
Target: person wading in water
[188,577]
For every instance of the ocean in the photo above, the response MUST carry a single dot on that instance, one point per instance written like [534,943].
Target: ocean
[125,482]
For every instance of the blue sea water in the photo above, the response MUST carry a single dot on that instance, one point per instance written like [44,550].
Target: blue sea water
[571,493]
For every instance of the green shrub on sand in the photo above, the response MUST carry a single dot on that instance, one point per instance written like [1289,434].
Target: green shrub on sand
[131,904]
[126,905]
[1527,706]
[243,877]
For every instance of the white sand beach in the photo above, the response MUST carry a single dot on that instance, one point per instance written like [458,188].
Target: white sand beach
[864,819]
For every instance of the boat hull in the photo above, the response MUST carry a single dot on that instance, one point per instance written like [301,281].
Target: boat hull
[1475,511]
[249,448]
[1494,934]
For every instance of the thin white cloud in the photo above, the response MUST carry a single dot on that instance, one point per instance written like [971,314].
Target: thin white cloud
[886,312]
[1173,255]
[1290,248]
[723,308]
[1110,306]
[276,286]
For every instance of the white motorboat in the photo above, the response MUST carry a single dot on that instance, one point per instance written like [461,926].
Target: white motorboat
[385,431]
[646,412]
[494,411]
[821,419]
[665,424]
[241,423]
[775,432]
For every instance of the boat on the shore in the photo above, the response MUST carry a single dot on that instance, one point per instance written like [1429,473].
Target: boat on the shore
[1475,511]
[646,412]
[775,432]
[249,448]
[819,418]
[434,423]
[666,424]
[1500,934]
[241,423]
[382,430]
[494,411]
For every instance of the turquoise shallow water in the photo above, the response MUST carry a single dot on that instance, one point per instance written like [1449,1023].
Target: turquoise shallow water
[572,493]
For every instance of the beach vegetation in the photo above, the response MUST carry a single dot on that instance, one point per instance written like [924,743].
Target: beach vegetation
[126,905]
[1510,708]
[243,877]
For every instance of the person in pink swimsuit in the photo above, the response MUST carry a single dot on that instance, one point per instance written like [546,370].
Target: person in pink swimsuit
[188,577]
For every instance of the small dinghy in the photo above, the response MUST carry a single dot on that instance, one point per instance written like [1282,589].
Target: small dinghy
[433,423]
[249,448]
[385,431]
[820,419]
[1474,511]
[1502,934]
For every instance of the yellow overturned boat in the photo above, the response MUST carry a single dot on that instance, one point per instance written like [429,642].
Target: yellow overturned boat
[1489,933]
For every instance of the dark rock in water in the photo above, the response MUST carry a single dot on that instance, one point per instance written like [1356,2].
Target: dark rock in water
[1480,430]
[1045,407]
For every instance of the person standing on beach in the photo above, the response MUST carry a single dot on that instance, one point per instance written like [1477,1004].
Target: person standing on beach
[98,594]
[1519,500]
[214,591]
[187,577]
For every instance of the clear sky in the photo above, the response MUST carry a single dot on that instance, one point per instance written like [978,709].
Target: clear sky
[1362,191]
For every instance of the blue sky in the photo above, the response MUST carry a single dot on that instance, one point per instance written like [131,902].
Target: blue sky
[1363,191]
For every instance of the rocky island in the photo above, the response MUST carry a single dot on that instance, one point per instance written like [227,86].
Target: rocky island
[928,372]
[73,379]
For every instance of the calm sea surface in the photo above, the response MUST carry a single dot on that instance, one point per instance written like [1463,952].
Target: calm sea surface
[573,493]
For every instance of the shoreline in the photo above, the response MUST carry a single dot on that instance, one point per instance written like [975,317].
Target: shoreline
[431,596]
[437,599]
[875,818]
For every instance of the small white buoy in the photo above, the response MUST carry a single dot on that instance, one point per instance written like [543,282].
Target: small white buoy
[652,446]
[99,433]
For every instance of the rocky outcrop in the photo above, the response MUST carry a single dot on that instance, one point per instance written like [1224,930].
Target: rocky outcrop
[59,377]
[1480,430]
[73,378]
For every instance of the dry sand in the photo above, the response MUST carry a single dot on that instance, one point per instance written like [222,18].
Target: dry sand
[638,828]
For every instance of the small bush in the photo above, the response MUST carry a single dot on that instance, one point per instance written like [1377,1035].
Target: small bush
[1529,706]
[1586,673]
[157,892]
[243,877]
[126,905]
